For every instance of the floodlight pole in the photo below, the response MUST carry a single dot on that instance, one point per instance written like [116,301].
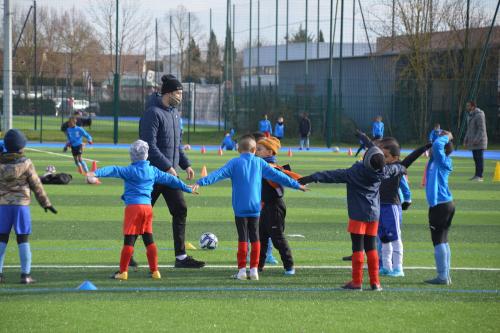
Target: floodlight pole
[7,66]
[116,83]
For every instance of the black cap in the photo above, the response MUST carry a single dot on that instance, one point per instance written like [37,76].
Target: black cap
[170,83]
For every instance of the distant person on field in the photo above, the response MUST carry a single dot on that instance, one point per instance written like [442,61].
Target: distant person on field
[435,133]
[227,142]
[265,126]
[441,206]
[246,173]
[279,129]
[476,138]
[18,178]
[139,178]
[378,128]
[305,131]
[75,138]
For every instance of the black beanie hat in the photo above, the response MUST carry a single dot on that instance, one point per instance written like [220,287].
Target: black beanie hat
[170,83]
[14,140]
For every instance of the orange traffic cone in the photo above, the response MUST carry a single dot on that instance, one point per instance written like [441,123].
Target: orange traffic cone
[424,177]
[94,166]
[349,152]
[496,175]
[220,151]
[290,154]
[203,150]
[204,172]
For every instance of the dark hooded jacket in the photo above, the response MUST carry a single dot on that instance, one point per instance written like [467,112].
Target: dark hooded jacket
[159,127]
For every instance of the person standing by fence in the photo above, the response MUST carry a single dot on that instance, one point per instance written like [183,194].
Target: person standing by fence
[305,131]
[476,138]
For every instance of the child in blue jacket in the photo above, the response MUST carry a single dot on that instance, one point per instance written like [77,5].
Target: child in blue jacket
[378,128]
[246,173]
[139,179]
[435,133]
[265,126]
[279,129]
[228,142]
[75,136]
[363,180]
[441,206]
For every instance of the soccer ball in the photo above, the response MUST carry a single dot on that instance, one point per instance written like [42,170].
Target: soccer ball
[208,241]
[92,180]
[336,149]
[50,169]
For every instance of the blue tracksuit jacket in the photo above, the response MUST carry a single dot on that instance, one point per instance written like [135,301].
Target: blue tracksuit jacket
[246,173]
[76,134]
[265,126]
[139,179]
[439,168]
[378,129]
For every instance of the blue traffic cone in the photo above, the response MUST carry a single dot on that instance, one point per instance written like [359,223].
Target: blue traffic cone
[86,286]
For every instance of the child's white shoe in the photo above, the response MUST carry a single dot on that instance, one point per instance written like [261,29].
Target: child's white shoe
[241,275]
[254,274]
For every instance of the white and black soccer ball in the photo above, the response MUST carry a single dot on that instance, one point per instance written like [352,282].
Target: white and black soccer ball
[50,169]
[208,241]
[336,149]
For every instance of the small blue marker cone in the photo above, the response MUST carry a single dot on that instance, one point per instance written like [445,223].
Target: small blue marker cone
[86,286]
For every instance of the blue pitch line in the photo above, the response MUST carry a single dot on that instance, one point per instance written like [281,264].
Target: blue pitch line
[240,289]
[488,154]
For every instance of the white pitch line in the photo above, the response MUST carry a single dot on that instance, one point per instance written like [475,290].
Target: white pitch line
[58,154]
[494,269]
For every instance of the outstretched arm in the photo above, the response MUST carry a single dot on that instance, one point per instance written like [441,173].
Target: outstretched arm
[364,139]
[332,176]
[164,178]
[111,171]
[215,176]
[414,155]
[278,176]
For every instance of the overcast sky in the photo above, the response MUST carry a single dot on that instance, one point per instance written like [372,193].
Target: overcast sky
[373,11]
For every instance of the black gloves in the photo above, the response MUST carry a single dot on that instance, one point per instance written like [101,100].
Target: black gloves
[405,205]
[428,145]
[305,180]
[52,209]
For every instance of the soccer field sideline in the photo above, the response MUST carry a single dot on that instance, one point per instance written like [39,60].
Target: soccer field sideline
[55,266]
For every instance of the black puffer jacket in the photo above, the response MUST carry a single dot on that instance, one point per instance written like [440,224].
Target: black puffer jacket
[159,127]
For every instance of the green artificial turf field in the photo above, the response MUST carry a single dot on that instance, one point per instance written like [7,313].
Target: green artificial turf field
[83,242]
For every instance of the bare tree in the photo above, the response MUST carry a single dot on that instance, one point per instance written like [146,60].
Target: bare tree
[132,22]
[77,41]
[184,25]
[23,60]
[433,55]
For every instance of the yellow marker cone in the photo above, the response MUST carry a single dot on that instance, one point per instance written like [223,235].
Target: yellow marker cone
[204,172]
[189,246]
[496,175]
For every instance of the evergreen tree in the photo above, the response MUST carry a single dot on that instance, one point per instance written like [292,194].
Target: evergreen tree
[321,39]
[214,64]
[300,36]
[193,67]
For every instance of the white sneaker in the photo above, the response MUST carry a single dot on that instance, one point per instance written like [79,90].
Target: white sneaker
[254,273]
[241,275]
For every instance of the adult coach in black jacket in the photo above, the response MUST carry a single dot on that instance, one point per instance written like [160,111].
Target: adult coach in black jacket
[159,127]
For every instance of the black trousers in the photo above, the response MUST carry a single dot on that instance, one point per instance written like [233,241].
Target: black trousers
[248,229]
[478,155]
[440,217]
[272,224]
[174,199]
